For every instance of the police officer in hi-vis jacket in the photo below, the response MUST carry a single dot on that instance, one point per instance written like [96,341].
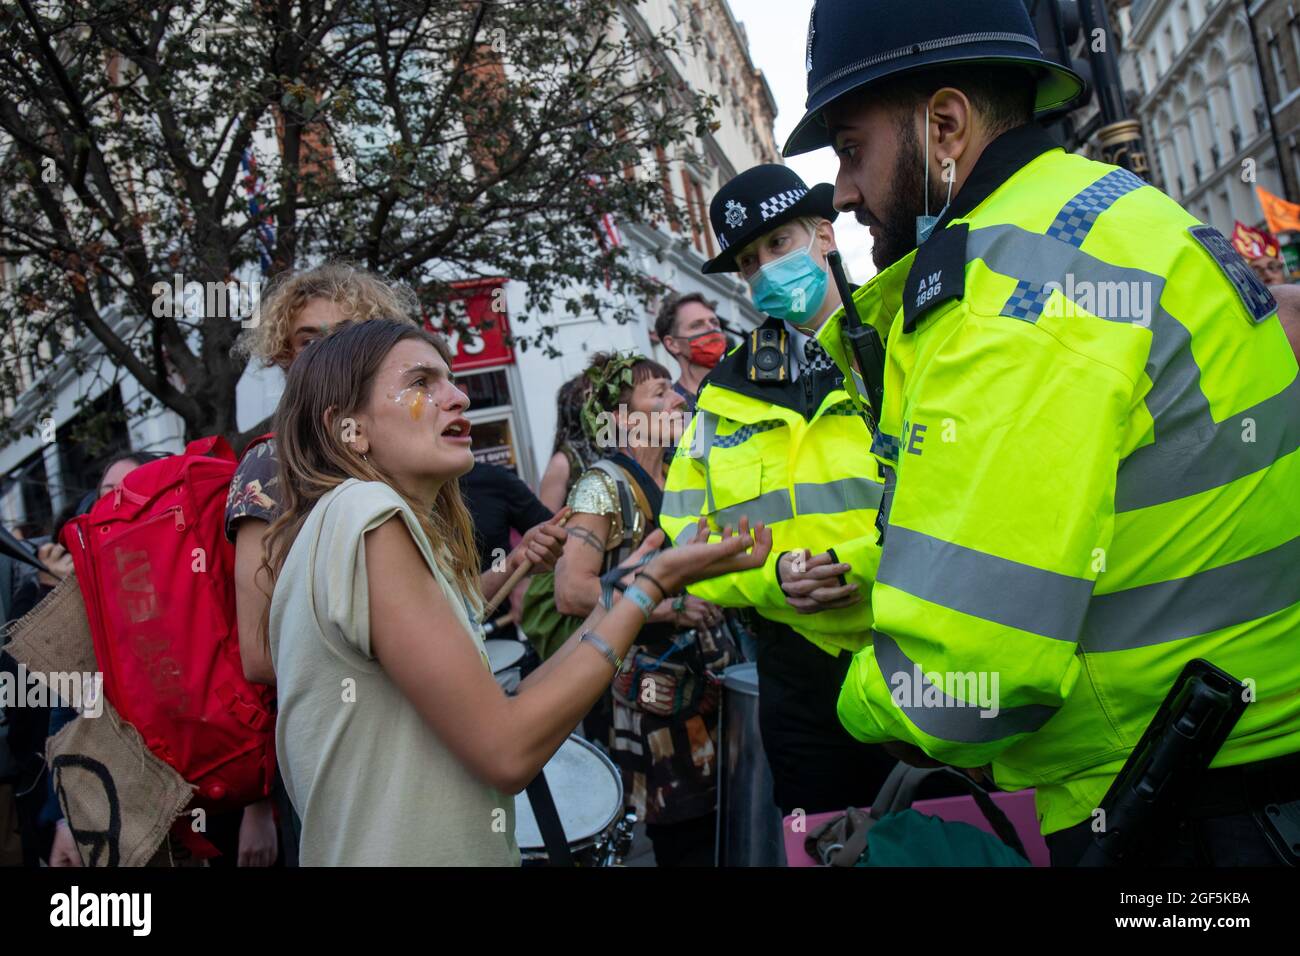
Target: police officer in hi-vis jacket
[1090,436]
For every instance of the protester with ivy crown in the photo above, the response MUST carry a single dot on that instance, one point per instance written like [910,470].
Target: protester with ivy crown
[662,719]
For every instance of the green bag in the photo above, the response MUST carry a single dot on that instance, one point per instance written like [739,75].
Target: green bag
[893,834]
[546,628]
[909,838]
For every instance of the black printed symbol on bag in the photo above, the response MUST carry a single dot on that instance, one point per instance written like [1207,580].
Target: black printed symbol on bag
[99,843]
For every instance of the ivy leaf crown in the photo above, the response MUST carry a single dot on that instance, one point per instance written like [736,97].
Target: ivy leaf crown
[608,379]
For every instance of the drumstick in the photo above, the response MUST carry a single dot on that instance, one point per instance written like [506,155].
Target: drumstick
[518,575]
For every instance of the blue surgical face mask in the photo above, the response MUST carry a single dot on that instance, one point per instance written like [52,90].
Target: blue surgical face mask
[793,287]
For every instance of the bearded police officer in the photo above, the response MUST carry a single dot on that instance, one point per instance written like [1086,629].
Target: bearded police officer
[777,438]
[1090,426]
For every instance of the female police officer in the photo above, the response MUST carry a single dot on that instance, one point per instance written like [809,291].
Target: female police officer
[776,438]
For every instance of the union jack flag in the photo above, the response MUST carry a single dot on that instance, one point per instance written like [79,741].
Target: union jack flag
[255,189]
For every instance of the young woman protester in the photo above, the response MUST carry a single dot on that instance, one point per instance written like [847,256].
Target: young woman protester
[296,311]
[662,719]
[397,745]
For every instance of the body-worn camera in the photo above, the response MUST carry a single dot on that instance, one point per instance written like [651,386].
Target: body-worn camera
[768,355]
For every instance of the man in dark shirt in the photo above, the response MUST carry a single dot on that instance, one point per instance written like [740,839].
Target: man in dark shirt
[498,503]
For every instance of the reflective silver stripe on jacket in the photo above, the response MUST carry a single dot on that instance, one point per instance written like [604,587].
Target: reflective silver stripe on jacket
[946,717]
[1192,453]
[983,585]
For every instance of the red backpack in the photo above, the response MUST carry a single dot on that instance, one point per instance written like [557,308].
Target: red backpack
[158,578]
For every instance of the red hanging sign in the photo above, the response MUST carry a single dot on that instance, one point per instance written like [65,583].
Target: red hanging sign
[474,323]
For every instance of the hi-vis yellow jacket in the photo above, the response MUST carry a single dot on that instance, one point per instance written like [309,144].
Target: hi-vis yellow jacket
[796,455]
[1090,425]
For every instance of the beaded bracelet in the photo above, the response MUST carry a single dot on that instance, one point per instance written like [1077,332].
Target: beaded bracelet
[653,580]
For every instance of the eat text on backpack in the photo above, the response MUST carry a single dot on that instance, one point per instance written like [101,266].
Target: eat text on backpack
[157,576]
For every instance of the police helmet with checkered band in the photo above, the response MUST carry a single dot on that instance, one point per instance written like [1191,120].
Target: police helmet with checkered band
[756,202]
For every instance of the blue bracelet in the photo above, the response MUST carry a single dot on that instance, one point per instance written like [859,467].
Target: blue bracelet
[642,600]
[610,582]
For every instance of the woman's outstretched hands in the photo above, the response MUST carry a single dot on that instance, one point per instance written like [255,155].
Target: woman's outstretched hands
[739,549]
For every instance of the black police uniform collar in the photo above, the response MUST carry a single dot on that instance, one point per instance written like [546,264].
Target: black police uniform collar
[804,396]
[938,273]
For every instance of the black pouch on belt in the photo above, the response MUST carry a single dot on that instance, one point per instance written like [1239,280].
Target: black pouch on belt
[1274,788]
[1269,791]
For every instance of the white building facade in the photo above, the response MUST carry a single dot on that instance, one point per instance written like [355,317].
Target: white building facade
[1201,105]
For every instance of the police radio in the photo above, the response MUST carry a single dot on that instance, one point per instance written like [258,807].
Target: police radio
[768,355]
[863,340]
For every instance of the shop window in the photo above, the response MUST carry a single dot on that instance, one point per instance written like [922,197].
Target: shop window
[493,444]
[485,389]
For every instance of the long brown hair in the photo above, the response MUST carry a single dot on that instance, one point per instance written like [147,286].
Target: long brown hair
[331,380]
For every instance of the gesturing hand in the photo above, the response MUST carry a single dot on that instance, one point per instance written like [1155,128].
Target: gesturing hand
[737,550]
[257,836]
[811,582]
[55,557]
[63,852]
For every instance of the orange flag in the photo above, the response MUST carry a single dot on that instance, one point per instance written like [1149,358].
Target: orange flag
[1282,216]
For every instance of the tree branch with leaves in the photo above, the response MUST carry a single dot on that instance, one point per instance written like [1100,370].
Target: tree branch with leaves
[429,141]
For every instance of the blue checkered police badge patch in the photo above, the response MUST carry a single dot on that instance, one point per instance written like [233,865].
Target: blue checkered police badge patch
[1258,300]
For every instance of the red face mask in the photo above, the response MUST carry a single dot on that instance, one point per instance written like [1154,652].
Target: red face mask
[707,348]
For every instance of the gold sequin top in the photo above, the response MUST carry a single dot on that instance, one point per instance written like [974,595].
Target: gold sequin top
[597,494]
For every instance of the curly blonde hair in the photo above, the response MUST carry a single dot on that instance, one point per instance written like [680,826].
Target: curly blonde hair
[357,292]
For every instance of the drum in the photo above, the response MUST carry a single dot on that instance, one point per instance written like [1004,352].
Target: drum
[588,795]
[504,657]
